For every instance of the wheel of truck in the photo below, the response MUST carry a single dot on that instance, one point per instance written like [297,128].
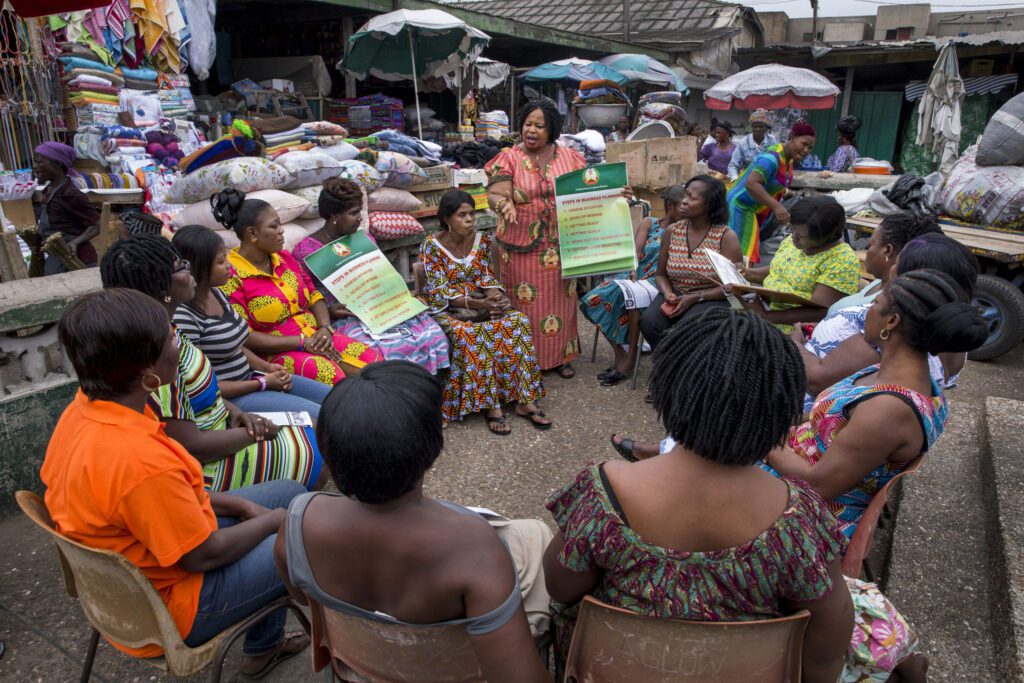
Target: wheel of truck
[1002,306]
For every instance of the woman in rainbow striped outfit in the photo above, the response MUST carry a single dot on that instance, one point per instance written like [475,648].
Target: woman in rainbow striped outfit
[759,189]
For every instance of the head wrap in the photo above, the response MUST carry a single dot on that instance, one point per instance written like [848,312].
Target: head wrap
[57,151]
[803,128]
[761,116]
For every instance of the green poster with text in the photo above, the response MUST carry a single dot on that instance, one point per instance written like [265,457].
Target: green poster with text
[595,233]
[360,276]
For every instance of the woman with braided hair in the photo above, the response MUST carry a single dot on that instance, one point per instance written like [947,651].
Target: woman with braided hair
[288,318]
[236,449]
[865,429]
[702,532]
[418,340]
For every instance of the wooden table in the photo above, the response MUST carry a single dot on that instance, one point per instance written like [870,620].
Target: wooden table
[1004,247]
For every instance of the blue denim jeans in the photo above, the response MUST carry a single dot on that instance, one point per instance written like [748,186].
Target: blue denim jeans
[233,592]
[306,396]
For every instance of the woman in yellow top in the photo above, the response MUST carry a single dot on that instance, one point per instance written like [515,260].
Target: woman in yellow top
[813,262]
[289,319]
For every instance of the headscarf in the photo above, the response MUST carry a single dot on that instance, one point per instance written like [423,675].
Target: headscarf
[801,129]
[761,116]
[57,151]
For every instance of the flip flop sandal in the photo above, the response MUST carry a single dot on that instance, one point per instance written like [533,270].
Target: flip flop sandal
[279,657]
[604,373]
[501,422]
[625,449]
[532,414]
[612,378]
[566,371]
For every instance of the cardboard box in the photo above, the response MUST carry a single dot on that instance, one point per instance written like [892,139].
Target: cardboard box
[429,201]
[654,199]
[19,211]
[470,176]
[438,178]
[656,164]
[279,84]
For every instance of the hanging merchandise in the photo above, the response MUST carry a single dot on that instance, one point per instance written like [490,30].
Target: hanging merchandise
[41,8]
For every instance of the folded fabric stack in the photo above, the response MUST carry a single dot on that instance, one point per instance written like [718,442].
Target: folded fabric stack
[275,152]
[492,124]
[277,142]
[240,141]
[408,145]
[589,143]
[140,79]
[98,114]
[600,92]
[107,181]
[176,99]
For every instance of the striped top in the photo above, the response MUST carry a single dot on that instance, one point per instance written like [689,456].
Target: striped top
[689,269]
[195,395]
[219,338]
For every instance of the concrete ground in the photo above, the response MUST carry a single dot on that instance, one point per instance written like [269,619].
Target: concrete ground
[46,633]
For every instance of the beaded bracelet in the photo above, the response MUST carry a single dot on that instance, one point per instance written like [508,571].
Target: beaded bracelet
[263,382]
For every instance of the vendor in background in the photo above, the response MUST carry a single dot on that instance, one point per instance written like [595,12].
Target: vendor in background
[842,159]
[718,154]
[698,133]
[759,190]
[621,131]
[63,207]
[751,145]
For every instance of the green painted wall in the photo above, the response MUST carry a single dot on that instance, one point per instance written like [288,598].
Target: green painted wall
[879,113]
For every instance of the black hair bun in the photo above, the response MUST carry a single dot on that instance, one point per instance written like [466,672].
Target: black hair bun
[226,205]
[953,328]
[848,124]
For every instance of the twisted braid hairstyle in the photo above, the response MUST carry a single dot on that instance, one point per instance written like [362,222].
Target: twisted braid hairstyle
[232,210]
[141,262]
[934,314]
[901,227]
[338,196]
[728,386]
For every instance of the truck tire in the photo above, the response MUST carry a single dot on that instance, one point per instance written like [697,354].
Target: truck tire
[1002,306]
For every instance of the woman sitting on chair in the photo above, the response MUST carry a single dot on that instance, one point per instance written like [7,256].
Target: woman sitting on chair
[618,315]
[867,428]
[453,569]
[702,533]
[115,481]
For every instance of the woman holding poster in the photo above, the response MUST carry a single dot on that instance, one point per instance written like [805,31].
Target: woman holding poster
[288,318]
[418,340]
[521,191]
[493,357]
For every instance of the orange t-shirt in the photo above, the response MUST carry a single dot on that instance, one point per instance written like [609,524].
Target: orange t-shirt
[114,480]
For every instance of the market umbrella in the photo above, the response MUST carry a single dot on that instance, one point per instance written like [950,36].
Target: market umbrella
[412,44]
[575,70]
[645,69]
[938,114]
[772,86]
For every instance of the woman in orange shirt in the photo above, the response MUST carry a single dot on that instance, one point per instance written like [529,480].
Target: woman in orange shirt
[115,481]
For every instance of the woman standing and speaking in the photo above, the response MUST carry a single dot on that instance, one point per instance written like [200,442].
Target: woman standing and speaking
[521,191]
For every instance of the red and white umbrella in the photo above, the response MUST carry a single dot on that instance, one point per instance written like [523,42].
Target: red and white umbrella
[772,86]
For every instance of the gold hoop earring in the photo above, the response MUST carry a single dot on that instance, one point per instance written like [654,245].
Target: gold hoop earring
[146,386]
[884,335]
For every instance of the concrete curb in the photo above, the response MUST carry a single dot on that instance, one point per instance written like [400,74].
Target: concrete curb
[1002,471]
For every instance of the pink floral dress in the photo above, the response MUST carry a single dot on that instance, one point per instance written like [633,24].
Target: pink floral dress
[279,304]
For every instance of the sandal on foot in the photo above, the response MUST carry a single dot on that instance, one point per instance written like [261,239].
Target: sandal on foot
[566,371]
[532,417]
[625,448]
[293,644]
[604,373]
[500,423]
[612,378]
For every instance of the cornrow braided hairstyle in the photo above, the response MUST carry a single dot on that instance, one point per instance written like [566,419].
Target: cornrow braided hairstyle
[901,227]
[934,313]
[338,196]
[142,262]
[728,386]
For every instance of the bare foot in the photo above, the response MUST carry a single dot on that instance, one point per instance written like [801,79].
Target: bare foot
[912,669]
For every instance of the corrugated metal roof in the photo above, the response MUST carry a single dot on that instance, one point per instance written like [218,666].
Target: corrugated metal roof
[979,85]
[975,40]
[654,22]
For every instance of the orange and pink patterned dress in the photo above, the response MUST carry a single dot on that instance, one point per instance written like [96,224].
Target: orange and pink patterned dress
[279,305]
[531,268]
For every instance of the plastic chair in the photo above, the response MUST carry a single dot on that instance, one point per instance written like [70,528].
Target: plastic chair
[365,651]
[611,644]
[121,603]
[859,548]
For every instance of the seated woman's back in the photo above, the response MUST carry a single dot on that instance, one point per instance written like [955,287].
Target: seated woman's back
[420,563]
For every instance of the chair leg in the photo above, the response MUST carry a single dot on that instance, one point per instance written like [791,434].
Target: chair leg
[868,574]
[254,618]
[636,363]
[90,656]
[593,350]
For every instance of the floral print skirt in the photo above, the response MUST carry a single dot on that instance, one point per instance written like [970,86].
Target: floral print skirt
[882,638]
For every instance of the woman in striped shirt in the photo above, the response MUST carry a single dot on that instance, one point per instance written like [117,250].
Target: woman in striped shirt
[251,383]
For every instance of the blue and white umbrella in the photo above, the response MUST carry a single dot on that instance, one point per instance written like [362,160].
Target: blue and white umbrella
[574,70]
[644,69]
